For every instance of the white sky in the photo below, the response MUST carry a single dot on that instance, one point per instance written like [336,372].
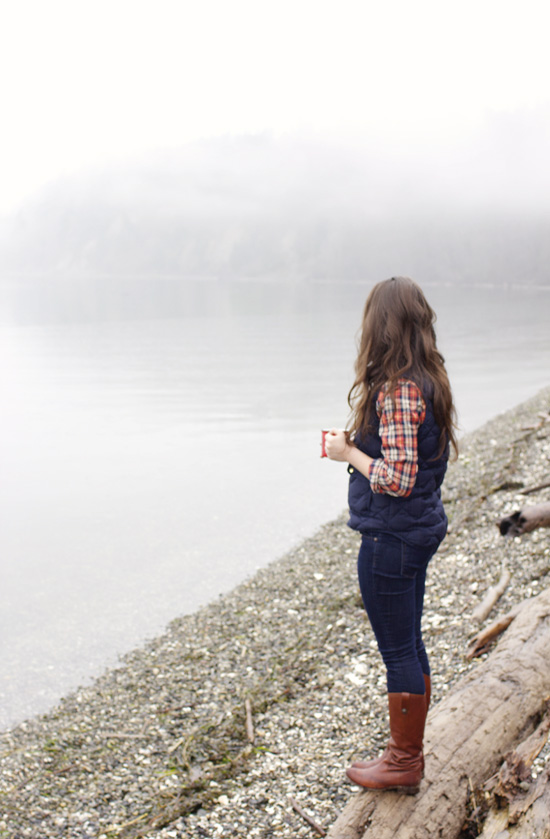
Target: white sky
[83,81]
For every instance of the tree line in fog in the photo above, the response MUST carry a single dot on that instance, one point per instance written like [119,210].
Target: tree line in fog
[258,207]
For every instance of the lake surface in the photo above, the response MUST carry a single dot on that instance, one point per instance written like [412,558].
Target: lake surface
[159,447]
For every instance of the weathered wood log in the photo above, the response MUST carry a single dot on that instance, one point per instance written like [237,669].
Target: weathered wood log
[250,734]
[536,488]
[533,821]
[467,735]
[482,641]
[301,812]
[526,520]
[536,821]
[493,594]
[508,784]
[513,792]
[523,803]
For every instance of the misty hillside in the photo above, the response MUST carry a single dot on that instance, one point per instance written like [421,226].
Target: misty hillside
[279,208]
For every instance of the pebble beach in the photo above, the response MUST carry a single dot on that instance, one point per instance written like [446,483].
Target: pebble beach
[241,718]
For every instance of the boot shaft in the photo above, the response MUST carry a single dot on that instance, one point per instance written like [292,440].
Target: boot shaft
[407,721]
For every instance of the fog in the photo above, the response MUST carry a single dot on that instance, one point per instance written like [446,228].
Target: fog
[472,208]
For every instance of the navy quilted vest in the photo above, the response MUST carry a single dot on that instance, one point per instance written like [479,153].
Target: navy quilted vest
[419,518]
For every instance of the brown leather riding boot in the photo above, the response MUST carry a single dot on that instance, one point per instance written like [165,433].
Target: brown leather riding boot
[401,767]
[364,764]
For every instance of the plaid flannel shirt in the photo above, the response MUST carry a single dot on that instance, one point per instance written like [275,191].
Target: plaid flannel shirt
[395,472]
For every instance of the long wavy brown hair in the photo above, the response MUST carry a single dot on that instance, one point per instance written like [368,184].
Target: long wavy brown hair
[398,341]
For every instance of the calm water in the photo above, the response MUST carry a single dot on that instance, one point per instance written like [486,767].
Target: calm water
[149,464]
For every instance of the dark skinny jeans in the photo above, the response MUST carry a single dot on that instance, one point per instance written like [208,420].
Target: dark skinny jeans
[392,579]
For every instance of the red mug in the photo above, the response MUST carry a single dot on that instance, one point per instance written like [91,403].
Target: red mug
[324,433]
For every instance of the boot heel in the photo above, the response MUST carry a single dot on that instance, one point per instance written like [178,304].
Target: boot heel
[408,790]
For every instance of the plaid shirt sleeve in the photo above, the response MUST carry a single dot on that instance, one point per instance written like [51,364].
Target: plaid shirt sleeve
[395,472]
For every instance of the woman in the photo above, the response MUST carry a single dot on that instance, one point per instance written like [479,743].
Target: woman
[397,447]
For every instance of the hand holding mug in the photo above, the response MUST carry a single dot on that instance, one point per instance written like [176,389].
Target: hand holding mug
[335,444]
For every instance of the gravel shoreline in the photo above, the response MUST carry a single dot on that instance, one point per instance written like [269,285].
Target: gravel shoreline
[158,747]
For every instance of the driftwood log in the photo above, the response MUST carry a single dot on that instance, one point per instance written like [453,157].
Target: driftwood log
[516,798]
[536,488]
[467,737]
[536,820]
[525,520]
[494,593]
[531,819]
[483,640]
